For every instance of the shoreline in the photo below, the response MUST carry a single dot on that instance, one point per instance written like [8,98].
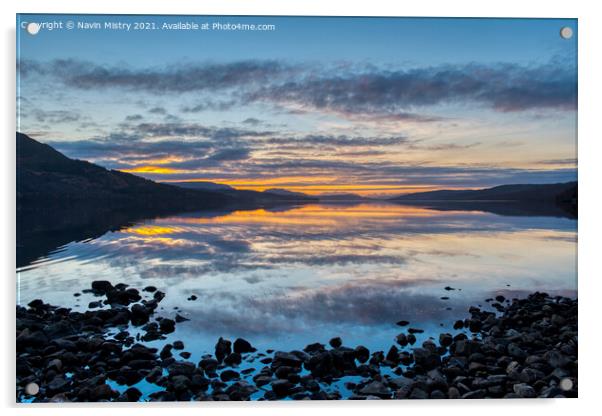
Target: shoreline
[526,350]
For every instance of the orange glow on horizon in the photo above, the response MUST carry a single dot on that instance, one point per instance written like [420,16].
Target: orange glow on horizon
[317,185]
[153,169]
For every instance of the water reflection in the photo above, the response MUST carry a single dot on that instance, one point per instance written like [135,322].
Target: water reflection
[305,274]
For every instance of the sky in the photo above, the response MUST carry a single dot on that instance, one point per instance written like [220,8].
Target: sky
[373,106]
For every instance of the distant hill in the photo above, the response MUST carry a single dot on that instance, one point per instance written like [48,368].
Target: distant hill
[537,193]
[203,185]
[46,176]
[289,194]
[268,195]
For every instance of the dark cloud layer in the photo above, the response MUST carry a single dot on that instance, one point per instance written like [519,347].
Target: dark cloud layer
[357,92]
[183,78]
[504,88]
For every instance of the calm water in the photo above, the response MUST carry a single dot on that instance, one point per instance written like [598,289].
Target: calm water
[283,279]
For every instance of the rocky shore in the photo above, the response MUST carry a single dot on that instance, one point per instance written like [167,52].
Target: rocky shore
[527,349]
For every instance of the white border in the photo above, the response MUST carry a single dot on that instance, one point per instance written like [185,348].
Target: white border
[590,68]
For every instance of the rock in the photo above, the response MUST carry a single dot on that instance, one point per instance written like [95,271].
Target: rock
[167,326]
[262,380]
[101,287]
[222,349]
[132,394]
[449,288]
[282,387]
[476,394]
[402,340]
[426,359]
[180,383]
[284,371]
[185,354]
[500,298]
[474,325]
[181,368]
[286,358]
[102,392]
[530,375]
[362,354]
[557,359]
[228,375]
[406,358]
[335,342]
[57,384]
[139,314]
[376,388]
[418,394]
[233,359]
[242,346]
[415,331]
[55,364]
[241,390]
[192,297]
[462,347]
[31,339]
[453,393]
[178,345]
[166,352]
[437,395]
[459,324]
[393,355]
[179,318]
[208,364]
[403,323]
[445,340]
[524,390]
[516,352]
[315,347]
[150,289]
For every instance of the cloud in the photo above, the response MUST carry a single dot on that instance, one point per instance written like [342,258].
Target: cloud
[351,91]
[209,105]
[230,154]
[252,121]
[568,161]
[444,146]
[55,116]
[311,140]
[181,78]
[385,93]
[158,110]
[195,130]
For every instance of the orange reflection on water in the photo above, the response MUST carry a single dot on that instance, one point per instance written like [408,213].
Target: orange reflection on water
[315,215]
[151,230]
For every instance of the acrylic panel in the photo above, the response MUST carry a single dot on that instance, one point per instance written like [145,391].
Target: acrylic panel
[291,208]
